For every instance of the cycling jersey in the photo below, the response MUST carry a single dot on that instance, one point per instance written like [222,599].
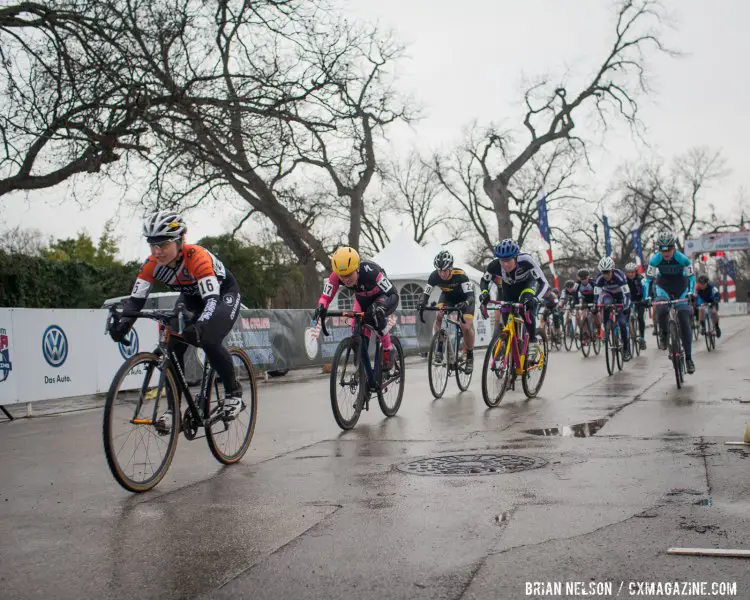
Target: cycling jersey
[616,287]
[569,297]
[457,288]
[586,291]
[550,301]
[673,277]
[635,286]
[372,283]
[708,294]
[197,274]
[527,274]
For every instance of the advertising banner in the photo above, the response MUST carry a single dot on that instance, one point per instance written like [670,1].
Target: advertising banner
[8,358]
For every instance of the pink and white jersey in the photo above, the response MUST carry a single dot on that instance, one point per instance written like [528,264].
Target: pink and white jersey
[371,283]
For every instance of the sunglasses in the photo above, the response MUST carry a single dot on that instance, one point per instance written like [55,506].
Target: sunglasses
[161,245]
[666,248]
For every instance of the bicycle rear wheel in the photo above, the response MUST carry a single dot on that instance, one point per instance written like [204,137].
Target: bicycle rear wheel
[348,383]
[391,390]
[496,372]
[229,439]
[675,352]
[535,367]
[137,454]
[437,370]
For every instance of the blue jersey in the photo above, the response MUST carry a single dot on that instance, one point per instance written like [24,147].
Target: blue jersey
[675,277]
[709,294]
[615,286]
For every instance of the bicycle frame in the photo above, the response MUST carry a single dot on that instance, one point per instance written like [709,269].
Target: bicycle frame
[455,343]
[512,350]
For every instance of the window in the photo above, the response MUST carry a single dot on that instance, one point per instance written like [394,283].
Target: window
[411,294]
[345,298]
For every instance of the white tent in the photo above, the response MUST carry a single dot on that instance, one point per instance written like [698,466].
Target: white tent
[403,259]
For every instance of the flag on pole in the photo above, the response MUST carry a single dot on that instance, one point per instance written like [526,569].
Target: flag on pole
[607,237]
[638,249]
[541,205]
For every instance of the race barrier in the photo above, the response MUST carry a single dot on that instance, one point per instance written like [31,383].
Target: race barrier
[59,353]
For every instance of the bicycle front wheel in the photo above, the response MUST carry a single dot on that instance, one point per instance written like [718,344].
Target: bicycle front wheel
[675,352]
[609,347]
[618,345]
[496,371]
[709,335]
[568,335]
[392,382]
[229,438]
[348,383]
[437,363]
[463,379]
[139,454]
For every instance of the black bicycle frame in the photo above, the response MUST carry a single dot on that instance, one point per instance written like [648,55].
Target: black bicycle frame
[459,332]
[364,344]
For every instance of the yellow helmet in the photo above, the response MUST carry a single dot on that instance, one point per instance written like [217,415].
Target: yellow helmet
[345,261]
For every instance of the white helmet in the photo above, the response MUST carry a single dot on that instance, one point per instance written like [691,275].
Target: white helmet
[630,267]
[162,226]
[606,264]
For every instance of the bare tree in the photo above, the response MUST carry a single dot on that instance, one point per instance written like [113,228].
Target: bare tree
[20,240]
[612,92]
[550,172]
[69,102]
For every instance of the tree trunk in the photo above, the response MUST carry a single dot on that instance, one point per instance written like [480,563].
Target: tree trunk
[497,191]
[313,284]
[355,222]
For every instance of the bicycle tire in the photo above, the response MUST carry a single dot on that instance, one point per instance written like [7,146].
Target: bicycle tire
[619,346]
[170,395]
[585,348]
[569,336]
[527,389]
[398,365]
[435,387]
[463,379]
[708,328]
[596,341]
[350,346]
[609,350]
[675,350]
[249,406]
[504,378]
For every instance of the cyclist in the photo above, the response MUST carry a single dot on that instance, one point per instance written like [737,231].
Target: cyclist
[670,275]
[569,299]
[206,287]
[585,294]
[374,294]
[635,284]
[549,306]
[521,277]
[457,290]
[610,287]
[709,295]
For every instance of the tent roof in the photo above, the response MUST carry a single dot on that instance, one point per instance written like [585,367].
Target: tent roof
[403,258]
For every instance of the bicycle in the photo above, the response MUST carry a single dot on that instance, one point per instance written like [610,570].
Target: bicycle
[586,334]
[694,322]
[612,337]
[709,333]
[505,360]
[351,370]
[453,353]
[139,406]
[635,342]
[553,336]
[655,322]
[674,339]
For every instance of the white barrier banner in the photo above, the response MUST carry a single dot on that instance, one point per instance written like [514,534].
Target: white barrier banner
[59,353]
[8,358]
[110,356]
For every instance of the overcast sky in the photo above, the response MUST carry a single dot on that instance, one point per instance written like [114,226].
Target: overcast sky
[468,61]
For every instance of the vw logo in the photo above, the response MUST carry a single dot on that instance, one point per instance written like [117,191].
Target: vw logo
[54,346]
[127,351]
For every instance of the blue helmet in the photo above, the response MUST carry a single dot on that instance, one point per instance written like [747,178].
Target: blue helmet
[507,249]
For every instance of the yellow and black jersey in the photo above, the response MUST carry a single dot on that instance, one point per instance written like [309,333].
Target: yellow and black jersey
[458,287]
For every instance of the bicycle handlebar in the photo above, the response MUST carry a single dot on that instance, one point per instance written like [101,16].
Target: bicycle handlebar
[116,313]
[339,313]
[446,309]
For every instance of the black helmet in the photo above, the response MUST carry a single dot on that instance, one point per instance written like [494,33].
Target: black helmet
[569,283]
[703,279]
[583,273]
[443,260]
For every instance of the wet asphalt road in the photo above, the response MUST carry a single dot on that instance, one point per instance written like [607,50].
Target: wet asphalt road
[316,513]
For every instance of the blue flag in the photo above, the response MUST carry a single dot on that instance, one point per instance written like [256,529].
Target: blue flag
[541,206]
[607,237]
[637,246]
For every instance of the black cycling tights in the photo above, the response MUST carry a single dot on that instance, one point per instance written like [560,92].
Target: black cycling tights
[683,316]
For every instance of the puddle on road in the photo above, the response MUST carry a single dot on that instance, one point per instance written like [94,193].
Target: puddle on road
[580,430]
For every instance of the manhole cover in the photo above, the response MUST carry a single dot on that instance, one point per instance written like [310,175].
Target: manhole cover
[470,464]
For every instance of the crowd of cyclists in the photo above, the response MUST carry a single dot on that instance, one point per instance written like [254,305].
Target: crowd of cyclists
[208,288]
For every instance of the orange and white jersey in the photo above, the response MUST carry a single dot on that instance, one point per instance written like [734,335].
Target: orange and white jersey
[197,273]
